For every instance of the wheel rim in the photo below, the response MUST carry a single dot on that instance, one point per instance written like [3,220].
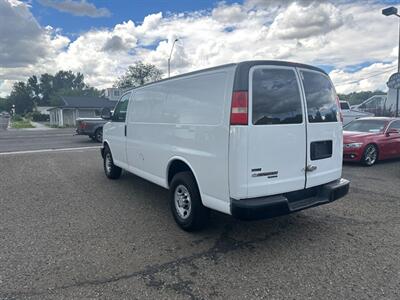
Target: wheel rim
[370,155]
[108,163]
[183,203]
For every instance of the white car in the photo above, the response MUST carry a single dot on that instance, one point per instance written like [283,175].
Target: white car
[255,139]
[350,114]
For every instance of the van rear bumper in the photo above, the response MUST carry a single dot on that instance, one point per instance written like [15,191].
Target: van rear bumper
[277,205]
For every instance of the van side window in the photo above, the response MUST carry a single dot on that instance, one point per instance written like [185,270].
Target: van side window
[119,114]
[320,97]
[276,97]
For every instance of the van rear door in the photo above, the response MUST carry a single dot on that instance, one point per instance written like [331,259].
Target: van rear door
[276,131]
[324,129]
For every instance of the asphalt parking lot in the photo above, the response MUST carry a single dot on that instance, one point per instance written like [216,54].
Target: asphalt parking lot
[67,232]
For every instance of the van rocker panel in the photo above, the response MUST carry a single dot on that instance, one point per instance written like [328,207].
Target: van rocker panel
[277,205]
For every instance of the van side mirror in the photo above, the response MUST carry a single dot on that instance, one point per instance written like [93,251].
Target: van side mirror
[106,113]
[391,132]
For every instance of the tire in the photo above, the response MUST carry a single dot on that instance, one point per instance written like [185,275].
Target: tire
[185,202]
[111,170]
[98,135]
[370,155]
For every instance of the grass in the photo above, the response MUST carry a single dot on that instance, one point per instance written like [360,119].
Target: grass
[21,124]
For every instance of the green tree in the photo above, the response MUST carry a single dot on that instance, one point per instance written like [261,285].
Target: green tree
[358,97]
[46,88]
[5,104]
[139,74]
[21,97]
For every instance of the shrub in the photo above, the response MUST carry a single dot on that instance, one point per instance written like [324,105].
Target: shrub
[37,117]
[17,118]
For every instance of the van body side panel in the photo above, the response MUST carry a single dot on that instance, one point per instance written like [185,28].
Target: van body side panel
[238,146]
[184,117]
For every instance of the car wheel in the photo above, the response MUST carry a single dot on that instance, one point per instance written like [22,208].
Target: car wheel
[185,201]
[370,156]
[111,170]
[98,135]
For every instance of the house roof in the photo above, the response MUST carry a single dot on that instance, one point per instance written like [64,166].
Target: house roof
[85,102]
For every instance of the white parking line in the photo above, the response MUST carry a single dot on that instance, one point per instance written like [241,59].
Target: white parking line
[49,150]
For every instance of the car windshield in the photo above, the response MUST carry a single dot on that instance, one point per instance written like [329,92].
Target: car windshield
[366,126]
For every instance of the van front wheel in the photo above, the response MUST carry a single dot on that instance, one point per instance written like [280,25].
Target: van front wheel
[111,170]
[185,201]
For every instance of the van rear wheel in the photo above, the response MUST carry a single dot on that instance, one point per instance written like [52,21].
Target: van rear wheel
[111,170]
[185,202]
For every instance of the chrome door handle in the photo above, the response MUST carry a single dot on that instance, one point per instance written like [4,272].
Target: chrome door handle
[310,168]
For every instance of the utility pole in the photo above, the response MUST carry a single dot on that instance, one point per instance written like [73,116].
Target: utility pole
[169,59]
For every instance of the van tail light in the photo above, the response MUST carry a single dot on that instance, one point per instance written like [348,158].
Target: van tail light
[239,108]
[340,110]
[82,125]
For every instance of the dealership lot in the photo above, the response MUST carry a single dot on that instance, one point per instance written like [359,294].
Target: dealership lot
[68,232]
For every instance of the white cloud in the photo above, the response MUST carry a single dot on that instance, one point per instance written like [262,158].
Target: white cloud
[77,8]
[319,33]
[298,22]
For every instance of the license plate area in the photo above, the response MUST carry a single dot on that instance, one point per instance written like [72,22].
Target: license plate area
[321,150]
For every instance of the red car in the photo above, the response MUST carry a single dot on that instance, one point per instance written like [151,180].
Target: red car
[368,140]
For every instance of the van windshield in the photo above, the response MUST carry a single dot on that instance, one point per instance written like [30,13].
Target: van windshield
[320,97]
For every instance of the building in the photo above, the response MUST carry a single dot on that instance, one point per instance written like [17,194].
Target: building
[44,110]
[113,94]
[74,107]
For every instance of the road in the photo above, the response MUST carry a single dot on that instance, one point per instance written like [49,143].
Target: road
[67,232]
[26,140]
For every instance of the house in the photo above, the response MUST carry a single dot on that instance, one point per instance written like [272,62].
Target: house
[74,107]
[44,110]
[113,93]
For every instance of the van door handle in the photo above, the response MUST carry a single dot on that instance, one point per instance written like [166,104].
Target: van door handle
[125,129]
[310,168]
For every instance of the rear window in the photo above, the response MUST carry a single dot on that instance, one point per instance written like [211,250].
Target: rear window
[276,97]
[320,97]
[344,105]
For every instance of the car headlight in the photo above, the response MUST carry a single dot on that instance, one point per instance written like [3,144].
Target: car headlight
[353,145]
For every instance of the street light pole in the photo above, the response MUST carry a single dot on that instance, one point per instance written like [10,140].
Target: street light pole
[389,12]
[169,58]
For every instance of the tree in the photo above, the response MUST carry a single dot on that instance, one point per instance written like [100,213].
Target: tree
[138,74]
[5,104]
[21,97]
[358,97]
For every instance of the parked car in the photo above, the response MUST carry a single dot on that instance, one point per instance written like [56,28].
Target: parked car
[351,114]
[368,140]
[239,138]
[92,127]
[5,114]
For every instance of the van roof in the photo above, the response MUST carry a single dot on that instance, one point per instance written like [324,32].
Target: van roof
[242,72]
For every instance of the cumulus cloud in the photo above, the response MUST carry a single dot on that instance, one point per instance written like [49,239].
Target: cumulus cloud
[298,21]
[337,35]
[21,37]
[77,8]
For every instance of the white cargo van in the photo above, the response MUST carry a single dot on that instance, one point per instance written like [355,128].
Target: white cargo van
[255,139]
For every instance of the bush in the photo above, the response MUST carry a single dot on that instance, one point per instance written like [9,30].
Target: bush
[17,118]
[37,117]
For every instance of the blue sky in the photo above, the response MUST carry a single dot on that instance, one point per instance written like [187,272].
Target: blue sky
[121,10]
